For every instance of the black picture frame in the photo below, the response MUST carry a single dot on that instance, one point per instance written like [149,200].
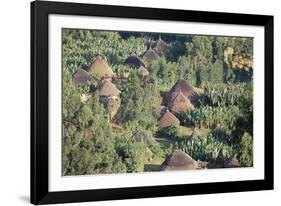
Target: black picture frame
[40,98]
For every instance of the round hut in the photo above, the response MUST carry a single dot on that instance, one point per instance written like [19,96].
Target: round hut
[81,77]
[178,160]
[159,45]
[143,71]
[109,96]
[168,119]
[180,103]
[135,61]
[100,68]
[232,162]
[108,89]
[186,89]
[150,55]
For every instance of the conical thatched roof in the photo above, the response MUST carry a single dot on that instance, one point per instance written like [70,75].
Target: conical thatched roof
[150,55]
[81,76]
[180,103]
[143,71]
[108,89]
[232,162]
[178,160]
[159,45]
[186,89]
[168,119]
[100,68]
[134,60]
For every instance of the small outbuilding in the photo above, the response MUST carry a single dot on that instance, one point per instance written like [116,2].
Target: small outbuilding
[150,55]
[135,61]
[143,71]
[101,68]
[179,160]
[168,119]
[81,77]
[109,96]
[184,87]
[180,103]
[159,45]
[108,89]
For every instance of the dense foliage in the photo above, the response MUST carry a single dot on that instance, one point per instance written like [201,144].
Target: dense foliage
[211,117]
[96,144]
[207,148]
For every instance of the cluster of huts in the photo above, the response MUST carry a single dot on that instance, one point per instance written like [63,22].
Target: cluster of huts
[109,93]
[180,98]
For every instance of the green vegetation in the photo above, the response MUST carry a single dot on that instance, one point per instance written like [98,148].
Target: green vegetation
[207,148]
[119,130]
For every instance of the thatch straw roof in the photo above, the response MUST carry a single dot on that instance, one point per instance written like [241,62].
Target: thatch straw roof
[159,45]
[100,68]
[141,136]
[232,162]
[168,119]
[143,71]
[108,89]
[134,60]
[186,89]
[150,55]
[81,76]
[180,103]
[178,160]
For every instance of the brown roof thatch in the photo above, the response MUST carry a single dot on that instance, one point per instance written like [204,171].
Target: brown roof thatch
[150,55]
[178,160]
[168,119]
[100,68]
[81,76]
[143,71]
[108,89]
[141,136]
[159,45]
[232,162]
[134,60]
[180,103]
[186,89]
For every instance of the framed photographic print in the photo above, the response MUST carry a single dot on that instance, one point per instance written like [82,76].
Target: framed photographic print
[133,102]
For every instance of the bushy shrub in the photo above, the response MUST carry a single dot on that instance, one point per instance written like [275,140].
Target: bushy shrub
[246,150]
[171,132]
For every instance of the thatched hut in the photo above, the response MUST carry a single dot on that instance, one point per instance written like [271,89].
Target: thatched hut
[232,162]
[159,45]
[168,119]
[109,96]
[134,60]
[180,103]
[108,89]
[186,89]
[81,77]
[100,68]
[178,160]
[150,55]
[143,71]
